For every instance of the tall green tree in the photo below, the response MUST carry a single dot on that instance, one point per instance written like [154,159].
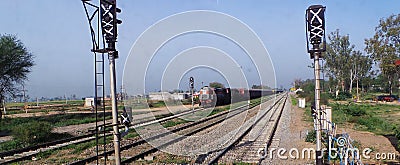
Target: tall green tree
[15,63]
[361,66]
[338,56]
[384,47]
[344,64]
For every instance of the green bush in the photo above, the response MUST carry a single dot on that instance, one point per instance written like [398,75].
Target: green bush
[9,145]
[397,134]
[156,104]
[324,98]
[311,136]
[32,133]
[355,111]
[375,124]
[351,109]
[398,144]
[342,96]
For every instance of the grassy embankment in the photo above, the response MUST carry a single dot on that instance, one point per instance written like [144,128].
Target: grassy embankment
[379,118]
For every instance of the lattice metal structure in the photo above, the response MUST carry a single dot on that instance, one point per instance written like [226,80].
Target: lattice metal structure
[103,29]
[93,17]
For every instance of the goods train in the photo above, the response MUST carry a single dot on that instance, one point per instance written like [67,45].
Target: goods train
[210,97]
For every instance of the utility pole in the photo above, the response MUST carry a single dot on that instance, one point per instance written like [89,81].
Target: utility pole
[66,99]
[23,98]
[191,81]
[315,31]
[4,106]
[3,102]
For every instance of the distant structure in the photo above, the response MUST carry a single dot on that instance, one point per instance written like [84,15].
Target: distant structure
[168,96]
[89,101]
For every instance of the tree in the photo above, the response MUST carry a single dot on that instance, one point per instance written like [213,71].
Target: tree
[384,47]
[360,67]
[337,56]
[216,85]
[297,83]
[344,64]
[15,63]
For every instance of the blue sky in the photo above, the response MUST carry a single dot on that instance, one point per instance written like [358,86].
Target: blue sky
[57,33]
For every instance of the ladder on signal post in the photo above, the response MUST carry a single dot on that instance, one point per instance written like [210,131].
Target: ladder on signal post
[99,100]
[94,14]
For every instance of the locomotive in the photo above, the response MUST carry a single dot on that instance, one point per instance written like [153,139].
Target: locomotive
[210,97]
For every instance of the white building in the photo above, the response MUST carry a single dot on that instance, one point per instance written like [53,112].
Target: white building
[89,102]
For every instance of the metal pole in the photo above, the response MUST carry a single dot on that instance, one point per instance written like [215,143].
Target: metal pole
[23,90]
[317,107]
[192,100]
[191,83]
[3,102]
[4,107]
[114,108]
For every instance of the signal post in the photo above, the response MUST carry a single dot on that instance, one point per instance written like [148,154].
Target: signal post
[104,42]
[315,32]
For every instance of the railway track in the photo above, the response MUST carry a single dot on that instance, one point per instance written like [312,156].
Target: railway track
[256,135]
[140,148]
[31,151]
